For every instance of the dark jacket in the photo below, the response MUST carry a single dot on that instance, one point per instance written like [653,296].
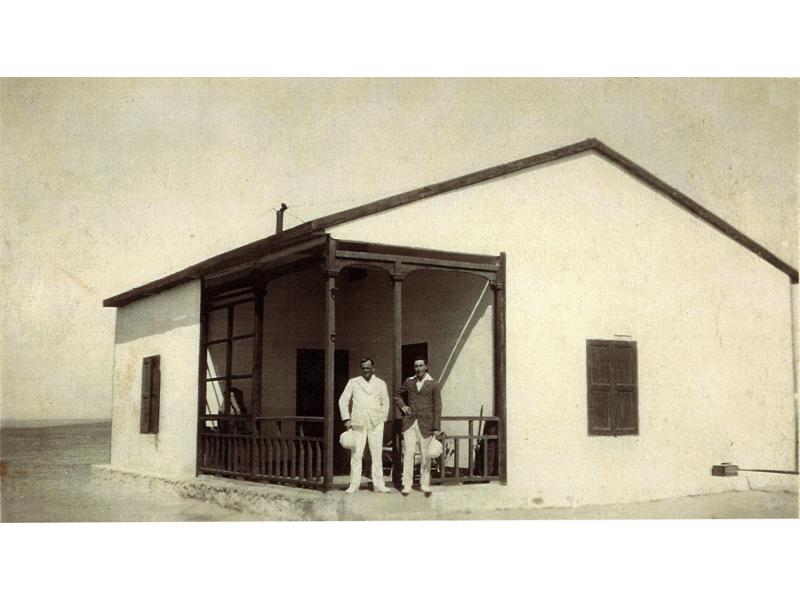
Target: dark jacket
[425,404]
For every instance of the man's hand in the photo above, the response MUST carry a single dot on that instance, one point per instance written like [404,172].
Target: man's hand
[347,424]
[436,433]
[405,409]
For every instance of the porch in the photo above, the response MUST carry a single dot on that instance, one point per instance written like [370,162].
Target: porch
[281,334]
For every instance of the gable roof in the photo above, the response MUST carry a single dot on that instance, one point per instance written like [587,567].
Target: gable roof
[319,225]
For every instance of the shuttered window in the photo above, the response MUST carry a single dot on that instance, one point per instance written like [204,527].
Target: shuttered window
[612,387]
[151,384]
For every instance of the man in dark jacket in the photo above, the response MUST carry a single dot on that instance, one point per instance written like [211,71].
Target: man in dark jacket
[421,404]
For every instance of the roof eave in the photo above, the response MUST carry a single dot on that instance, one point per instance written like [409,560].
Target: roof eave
[320,225]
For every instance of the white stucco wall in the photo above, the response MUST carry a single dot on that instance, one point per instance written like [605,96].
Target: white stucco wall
[294,317]
[593,253]
[168,325]
[453,312]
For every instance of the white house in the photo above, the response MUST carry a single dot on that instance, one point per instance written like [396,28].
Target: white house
[599,337]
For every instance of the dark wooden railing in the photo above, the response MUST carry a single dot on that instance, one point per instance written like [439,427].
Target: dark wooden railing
[286,450]
[471,457]
[290,450]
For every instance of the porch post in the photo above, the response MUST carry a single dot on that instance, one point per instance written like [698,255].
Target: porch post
[397,380]
[259,290]
[330,349]
[397,337]
[499,335]
[201,379]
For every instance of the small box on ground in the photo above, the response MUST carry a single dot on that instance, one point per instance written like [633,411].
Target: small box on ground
[725,470]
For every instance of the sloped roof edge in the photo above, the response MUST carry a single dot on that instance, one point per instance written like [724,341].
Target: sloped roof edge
[588,145]
[319,225]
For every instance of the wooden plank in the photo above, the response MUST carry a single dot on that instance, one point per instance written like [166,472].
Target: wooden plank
[469,417]
[231,377]
[294,418]
[397,331]
[410,254]
[330,349]
[455,458]
[258,349]
[300,458]
[367,257]
[470,450]
[499,335]
[318,470]
[292,458]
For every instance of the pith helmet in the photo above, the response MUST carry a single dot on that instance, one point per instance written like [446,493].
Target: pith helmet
[348,440]
[435,448]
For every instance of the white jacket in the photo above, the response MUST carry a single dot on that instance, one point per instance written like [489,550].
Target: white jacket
[370,402]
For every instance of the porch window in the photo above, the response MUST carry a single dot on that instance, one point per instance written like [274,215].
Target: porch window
[612,385]
[151,384]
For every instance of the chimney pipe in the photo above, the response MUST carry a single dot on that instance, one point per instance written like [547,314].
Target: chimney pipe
[279,215]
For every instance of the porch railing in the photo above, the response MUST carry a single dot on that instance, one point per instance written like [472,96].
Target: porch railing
[286,450]
[290,450]
[470,453]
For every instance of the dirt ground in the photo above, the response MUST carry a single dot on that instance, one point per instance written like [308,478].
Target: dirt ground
[46,476]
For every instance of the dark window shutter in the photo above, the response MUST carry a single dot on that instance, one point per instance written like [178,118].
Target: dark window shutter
[625,383]
[611,375]
[151,384]
[598,377]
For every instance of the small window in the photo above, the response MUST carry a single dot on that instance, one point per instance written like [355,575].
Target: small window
[612,386]
[151,383]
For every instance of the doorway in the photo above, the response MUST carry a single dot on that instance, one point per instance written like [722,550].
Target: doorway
[409,354]
[310,397]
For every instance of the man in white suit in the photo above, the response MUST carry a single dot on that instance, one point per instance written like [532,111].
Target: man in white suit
[370,410]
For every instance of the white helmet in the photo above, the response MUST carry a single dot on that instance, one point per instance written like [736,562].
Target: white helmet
[435,448]
[348,440]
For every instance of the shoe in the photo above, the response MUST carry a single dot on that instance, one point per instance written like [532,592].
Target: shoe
[382,490]
[406,492]
[351,490]
[427,493]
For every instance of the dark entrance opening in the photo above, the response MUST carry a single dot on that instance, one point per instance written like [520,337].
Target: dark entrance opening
[310,397]
[409,354]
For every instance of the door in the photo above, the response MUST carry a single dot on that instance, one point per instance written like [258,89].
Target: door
[310,397]
[410,353]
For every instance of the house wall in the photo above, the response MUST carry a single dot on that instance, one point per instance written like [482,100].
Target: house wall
[453,312]
[167,325]
[294,317]
[593,253]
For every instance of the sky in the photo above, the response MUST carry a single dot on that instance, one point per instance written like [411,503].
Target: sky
[107,184]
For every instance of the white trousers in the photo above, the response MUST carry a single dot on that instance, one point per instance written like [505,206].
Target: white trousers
[373,436]
[413,439]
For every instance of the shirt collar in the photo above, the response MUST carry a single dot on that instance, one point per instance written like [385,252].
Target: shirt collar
[424,379]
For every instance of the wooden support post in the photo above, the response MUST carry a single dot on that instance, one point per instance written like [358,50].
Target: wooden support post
[201,379]
[397,337]
[499,335]
[397,367]
[259,289]
[330,350]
